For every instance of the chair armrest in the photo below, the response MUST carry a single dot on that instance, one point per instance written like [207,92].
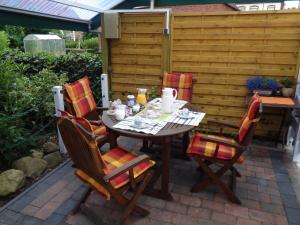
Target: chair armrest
[101,109]
[95,122]
[126,167]
[221,124]
[222,142]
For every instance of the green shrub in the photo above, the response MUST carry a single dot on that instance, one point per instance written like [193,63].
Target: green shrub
[4,42]
[74,65]
[71,44]
[27,108]
[92,43]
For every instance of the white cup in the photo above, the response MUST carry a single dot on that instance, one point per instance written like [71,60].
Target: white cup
[138,121]
[185,112]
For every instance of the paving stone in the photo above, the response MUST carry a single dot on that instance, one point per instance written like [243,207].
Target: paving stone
[293,215]
[22,202]
[30,210]
[236,210]
[54,219]
[66,207]
[9,217]
[243,221]
[224,218]
[261,216]
[28,220]
[190,200]
[289,201]
[199,212]
[216,206]
[176,207]
[271,208]
[153,202]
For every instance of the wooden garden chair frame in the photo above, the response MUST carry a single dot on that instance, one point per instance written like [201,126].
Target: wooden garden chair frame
[82,149]
[205,162]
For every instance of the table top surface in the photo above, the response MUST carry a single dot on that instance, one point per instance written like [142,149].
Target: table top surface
[170,129]
[280,104]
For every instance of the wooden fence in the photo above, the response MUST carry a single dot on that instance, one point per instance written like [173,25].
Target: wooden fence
[137,57]
[221,50]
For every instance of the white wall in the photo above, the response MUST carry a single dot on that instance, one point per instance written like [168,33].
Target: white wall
[260,6]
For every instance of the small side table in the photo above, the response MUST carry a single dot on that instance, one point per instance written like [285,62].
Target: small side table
[287,104]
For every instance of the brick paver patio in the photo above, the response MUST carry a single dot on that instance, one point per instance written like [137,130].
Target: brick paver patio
[269,190]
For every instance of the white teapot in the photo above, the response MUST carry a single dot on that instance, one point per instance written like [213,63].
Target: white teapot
[168,99]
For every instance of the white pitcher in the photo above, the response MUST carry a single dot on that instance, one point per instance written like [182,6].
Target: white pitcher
[168,99]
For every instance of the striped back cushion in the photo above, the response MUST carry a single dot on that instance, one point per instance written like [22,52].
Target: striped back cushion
[249,118]
[81,96]
[183,83]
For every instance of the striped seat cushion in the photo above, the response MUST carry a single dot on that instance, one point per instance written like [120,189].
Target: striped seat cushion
[183,83]
[97,130]
[114,159]
[249,118]
[207,149]
[81,96]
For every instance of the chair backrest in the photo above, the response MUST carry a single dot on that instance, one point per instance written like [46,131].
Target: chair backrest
[249,121]
[81,146]
[79,98]
[183,83]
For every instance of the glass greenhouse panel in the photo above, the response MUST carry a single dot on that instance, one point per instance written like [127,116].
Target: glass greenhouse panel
[53,44]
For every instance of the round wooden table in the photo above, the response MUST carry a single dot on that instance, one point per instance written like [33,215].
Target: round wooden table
[163,137]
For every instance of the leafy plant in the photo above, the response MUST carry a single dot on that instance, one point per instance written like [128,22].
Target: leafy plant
[92,43]
[154,92]
[26,108]
[262,83]
[4,42]
[288,82]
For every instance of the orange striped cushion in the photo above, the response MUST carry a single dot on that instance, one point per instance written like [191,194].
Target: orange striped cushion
[247,120]
[181,82]
[114,159]
[207,149]
[81,96]
[97,130]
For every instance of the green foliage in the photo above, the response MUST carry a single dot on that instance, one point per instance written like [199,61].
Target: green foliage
[288,82]
[74,65]
[4,42]
[26,107]
[71,44]
[92,43]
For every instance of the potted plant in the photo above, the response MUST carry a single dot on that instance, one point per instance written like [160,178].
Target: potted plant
[262,85]
[287,88]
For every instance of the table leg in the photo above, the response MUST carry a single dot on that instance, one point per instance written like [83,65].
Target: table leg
[165,179]
[112,139]
[185,144]
[164,171]
[145,148]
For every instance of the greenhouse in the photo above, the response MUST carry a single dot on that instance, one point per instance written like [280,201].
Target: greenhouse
[35,43]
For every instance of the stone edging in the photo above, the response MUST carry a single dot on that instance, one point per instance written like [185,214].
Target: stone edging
[34,185]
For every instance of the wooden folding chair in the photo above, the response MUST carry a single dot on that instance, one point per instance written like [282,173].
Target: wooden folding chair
[110,174]
[207,150]
[79,102]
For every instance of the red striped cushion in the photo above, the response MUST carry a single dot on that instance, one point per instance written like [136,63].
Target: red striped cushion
[114,159]
[81,96]
[207,149]
[247,120]
[181,82]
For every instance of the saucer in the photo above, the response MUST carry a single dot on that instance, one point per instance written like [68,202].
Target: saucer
[142,126]
[189,116]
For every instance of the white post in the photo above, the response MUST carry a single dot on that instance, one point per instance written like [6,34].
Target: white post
[104,89]
[152,3]
[294,130]
[59,105]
